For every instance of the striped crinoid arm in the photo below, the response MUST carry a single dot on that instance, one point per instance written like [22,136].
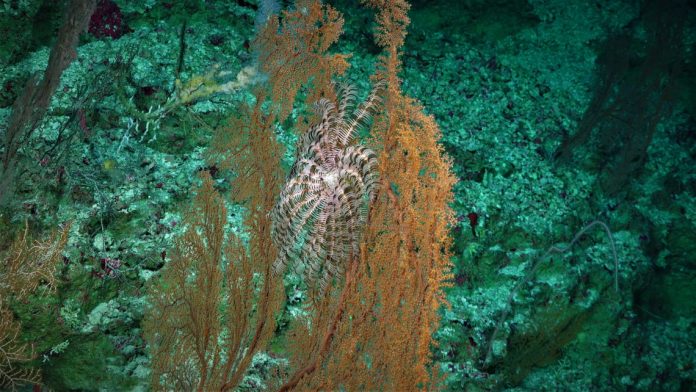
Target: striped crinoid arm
[346,98]
[298,203]
[361,163]
[335,235]
[317,144]
[349,124]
